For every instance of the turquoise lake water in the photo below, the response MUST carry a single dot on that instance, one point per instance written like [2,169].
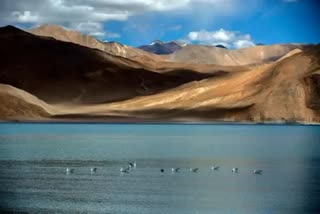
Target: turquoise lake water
[34,158]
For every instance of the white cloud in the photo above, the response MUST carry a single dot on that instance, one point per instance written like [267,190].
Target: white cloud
[94,29]
[90,28]
[229,39]
[24,17]
[211,36]
[243,44]
[88,16]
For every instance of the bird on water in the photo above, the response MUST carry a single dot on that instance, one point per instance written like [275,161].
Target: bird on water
[257,171]
[193,169]
[234,170]
[69,171]
[175,169]
[132,165]
[122,170]
[215,167]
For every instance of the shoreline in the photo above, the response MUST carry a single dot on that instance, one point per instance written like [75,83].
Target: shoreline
[136,121]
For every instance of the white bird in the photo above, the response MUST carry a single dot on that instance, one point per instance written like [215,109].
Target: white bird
[257,171]
[215,167]
[193,169]
[132,165]
[68,170]
[175,169]
[93,170]
[124,170]
[234,170]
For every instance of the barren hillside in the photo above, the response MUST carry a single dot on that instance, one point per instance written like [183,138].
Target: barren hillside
[60,72]
[17,104]
[287,90]
[77,82]
[113,48]
[220,56]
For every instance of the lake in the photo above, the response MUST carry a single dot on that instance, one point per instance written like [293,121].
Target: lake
[34,158]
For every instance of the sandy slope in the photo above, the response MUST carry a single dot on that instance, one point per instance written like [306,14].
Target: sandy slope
[17,104]
[291,53]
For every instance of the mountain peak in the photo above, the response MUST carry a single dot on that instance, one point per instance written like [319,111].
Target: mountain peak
[9,28]
[221,46]
[162,48]
[52,28]
[12,30]
[180,43]
[157,41]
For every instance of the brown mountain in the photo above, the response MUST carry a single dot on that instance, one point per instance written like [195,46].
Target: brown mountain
[287,90]
[80,82]
[59,72]
[221,56]
[113,48]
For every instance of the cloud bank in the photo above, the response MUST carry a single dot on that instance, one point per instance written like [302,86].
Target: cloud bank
[229,39]
[89,16]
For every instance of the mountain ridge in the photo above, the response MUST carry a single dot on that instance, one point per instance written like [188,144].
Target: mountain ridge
[57,80]
[247,56]
[71,72]
[287,90]
[113,48]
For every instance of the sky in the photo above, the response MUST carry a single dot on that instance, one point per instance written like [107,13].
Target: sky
[232,23]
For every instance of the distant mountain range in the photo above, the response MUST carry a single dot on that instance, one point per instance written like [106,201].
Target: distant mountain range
[172,51]
[114,48]
[220,56]
[51,73]
[162,48]
[165,48]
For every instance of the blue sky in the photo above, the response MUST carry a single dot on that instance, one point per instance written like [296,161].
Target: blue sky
[233,23]
[269,23]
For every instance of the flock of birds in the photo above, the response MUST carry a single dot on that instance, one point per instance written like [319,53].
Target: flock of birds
[133,165]
[213,168]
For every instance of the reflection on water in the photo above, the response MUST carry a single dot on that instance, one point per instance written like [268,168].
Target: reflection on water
[34,157]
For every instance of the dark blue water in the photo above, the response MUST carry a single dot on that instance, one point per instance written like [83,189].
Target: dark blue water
[33,159]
